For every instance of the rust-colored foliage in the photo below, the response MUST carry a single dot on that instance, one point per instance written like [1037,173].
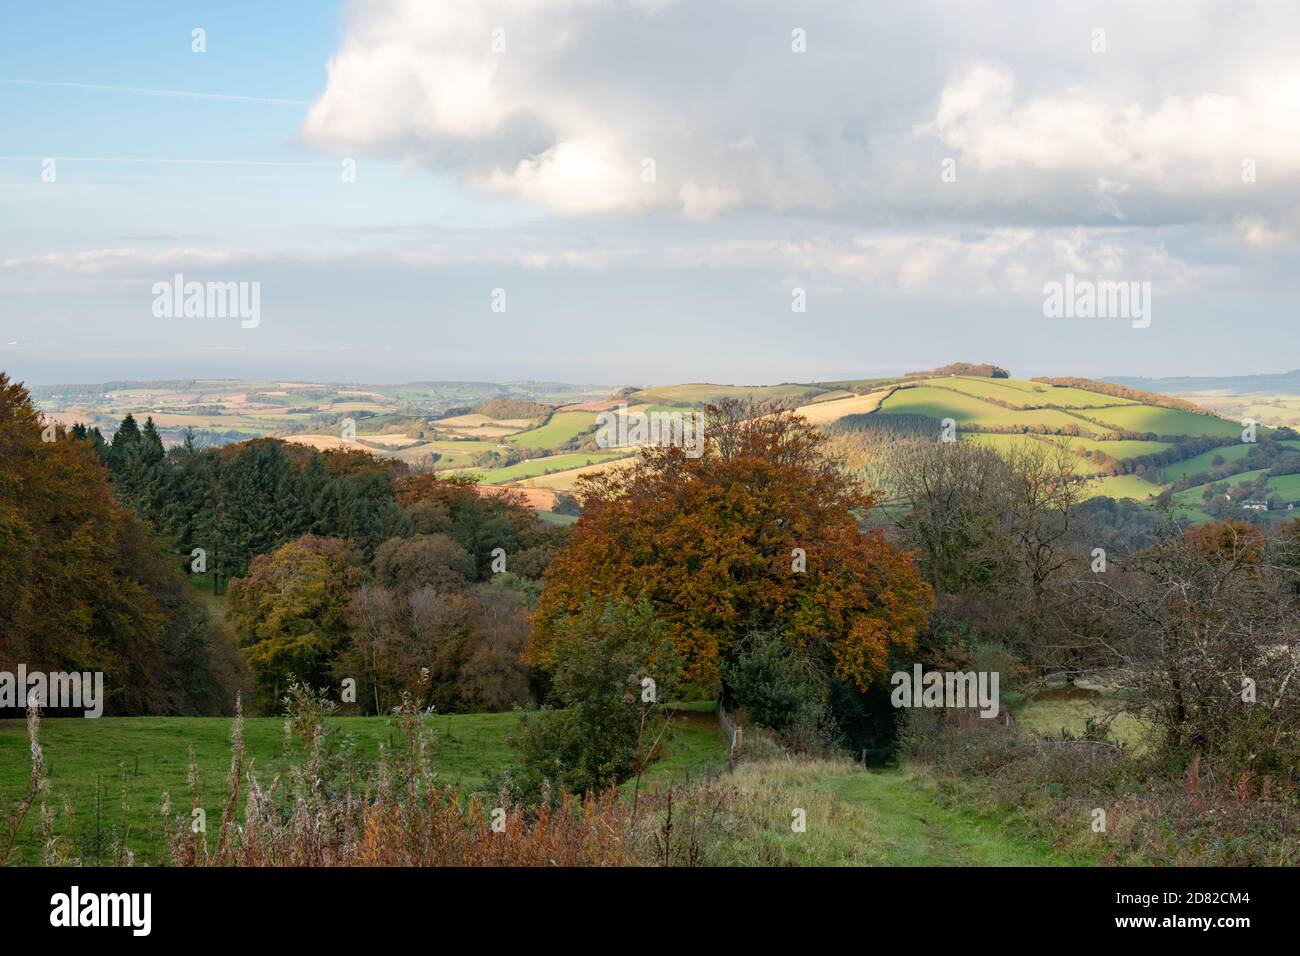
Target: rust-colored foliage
[711,541]
[1232,540]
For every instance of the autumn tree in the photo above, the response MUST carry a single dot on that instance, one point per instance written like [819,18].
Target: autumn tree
[85,585]
[289,611]
[757,535]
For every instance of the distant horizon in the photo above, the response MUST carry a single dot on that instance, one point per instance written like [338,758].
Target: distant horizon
[577,382]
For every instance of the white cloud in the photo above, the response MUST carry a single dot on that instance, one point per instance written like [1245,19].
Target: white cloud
[1185,144]
[1044,131]
[1009,262]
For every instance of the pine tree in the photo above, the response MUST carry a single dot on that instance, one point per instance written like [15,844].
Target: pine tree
[126,436]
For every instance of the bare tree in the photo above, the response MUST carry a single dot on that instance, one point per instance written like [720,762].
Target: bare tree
[1203,637]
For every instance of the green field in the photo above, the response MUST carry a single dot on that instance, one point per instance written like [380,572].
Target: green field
[1123,486]
[1286,487]
[1004,442]
[149,755]
[968,410]
[545,466]
[1165,421]
[858,817]
[1028,394]
[1204,461]
[1188,503]
[562,427]
[1119,450]
[1099,416]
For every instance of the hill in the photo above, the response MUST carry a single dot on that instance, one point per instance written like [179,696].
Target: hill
[1134,437]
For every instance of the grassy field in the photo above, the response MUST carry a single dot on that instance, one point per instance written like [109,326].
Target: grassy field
[91,763]
[1028,394]
[1068,710]
[562,427]
[971,403]
[545,466]
[1188,503]
[1166,421]
[858,817]
[1123,486]
[964,409]
[825,412]
[1204,461]
[567,480]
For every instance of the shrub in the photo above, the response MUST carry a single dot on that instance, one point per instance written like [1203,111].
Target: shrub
[610,724]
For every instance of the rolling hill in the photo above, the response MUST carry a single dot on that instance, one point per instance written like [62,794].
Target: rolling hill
[1130,444]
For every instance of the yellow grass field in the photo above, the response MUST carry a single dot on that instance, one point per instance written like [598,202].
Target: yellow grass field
[565,480]
[823,413]
[321,442]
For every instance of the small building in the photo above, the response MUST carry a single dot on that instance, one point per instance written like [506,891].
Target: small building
[1255,504]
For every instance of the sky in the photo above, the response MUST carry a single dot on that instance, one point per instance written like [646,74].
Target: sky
[646,191]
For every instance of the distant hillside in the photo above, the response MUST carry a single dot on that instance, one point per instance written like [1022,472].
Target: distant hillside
[1280,383]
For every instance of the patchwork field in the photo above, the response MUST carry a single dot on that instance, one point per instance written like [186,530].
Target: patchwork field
[544,466]
[978,403]
[435,425]
[563,427]
[832,410]
[1166,421]
[1204,461]
[567,480]
[1124,486]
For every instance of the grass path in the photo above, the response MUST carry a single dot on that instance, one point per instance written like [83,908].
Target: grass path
[856,817]
[914,829]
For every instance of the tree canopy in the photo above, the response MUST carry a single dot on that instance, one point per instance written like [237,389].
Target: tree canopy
[758,534]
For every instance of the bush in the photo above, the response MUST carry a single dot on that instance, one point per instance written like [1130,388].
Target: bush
[775,686]
[603,729]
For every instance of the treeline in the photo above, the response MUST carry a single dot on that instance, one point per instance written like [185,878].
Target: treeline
[1120,391]
[87,586]
[437,613]
[1032,581]
[982,370]
[340,567]
[343,565]
[243,500]
[506,407]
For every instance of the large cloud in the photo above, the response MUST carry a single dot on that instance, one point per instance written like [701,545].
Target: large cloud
[1043,129]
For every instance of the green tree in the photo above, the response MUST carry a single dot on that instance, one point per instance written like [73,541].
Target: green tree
[615,670]
[289,611]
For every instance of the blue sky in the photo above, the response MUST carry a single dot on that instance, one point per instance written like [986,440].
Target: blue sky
[521,167]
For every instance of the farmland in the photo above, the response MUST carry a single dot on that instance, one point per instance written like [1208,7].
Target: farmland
[439,426]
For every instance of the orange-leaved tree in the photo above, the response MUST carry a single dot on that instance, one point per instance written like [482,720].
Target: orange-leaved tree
[757,535]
